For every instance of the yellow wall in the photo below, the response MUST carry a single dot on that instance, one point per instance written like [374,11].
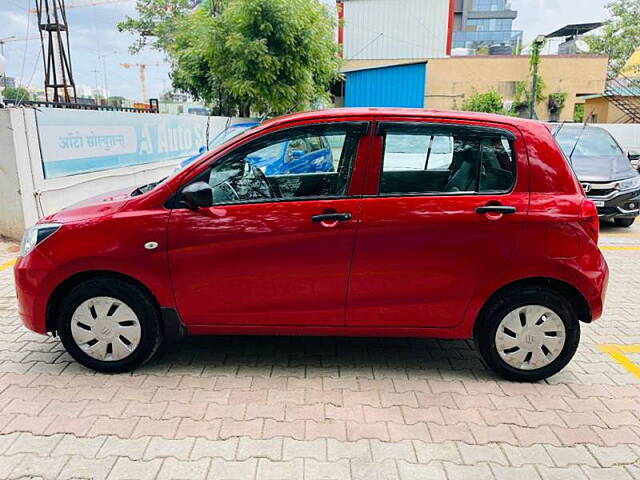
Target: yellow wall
[601,110]
[451,80]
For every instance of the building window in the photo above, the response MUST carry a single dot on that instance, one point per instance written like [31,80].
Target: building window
[489,5]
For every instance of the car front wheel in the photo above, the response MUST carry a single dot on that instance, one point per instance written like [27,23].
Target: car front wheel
[528,334]
[109,325]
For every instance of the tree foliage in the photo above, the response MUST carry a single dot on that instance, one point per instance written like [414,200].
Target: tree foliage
[488,102]
[621,34]
[264,56]
[16,93]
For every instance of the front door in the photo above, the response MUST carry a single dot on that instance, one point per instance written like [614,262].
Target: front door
[451,204]
[271,250]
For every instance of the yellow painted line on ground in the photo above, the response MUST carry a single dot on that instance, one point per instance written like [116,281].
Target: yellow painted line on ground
[8,264]
[620,247]
[618,352]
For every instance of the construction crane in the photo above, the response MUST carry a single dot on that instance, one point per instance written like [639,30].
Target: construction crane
[13,38]
[142,67]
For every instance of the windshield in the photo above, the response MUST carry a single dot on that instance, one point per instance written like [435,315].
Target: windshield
[594,142]
[227,134]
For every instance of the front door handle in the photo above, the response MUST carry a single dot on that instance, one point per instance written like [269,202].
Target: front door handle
[331,217]
[501,209]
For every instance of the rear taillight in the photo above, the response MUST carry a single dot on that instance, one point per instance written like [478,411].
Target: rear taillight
[589,219]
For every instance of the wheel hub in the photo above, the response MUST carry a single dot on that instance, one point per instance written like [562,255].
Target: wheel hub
[106,328]
[530,337]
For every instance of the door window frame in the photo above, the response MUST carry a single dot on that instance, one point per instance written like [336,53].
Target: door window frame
[362,131]
[444,128]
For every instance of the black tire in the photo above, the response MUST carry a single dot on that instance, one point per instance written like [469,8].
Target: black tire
[131,295]
[624,222]
[509,300]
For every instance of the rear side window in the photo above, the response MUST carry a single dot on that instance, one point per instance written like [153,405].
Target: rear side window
[446,159]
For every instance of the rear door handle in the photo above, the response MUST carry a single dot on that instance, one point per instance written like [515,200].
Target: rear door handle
[504,210]
[331,217]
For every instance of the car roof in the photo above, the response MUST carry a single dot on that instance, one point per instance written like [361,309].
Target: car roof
[244,124]
[381,113]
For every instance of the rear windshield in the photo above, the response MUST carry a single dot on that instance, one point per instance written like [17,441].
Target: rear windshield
[594,142]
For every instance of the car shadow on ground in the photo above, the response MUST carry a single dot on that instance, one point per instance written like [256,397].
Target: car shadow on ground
[365,357]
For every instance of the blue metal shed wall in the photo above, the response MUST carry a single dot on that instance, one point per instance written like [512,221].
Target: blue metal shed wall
[397,86]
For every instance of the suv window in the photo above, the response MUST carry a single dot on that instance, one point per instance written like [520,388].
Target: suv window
[298,163]
[445,159]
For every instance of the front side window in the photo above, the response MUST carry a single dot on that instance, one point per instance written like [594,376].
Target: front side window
[298,163]
[440,159]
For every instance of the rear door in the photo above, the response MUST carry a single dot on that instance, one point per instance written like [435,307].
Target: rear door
[449,205]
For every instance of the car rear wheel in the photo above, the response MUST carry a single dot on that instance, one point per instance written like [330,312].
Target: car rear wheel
[528,334]
[109,325]
[624,222]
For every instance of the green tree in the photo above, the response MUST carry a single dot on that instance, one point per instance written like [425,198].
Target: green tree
[488,102]
[621,34]
[275,55]
[16,93]
[261,56]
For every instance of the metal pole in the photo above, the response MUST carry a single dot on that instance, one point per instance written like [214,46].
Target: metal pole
[106,85]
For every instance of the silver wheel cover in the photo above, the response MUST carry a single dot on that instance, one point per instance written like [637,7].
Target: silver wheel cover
[530,337]
[106,329]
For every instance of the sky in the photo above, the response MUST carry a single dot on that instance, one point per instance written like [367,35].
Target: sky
[94,37]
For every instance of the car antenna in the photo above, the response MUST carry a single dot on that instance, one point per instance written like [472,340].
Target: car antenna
[557,130]
[584,126]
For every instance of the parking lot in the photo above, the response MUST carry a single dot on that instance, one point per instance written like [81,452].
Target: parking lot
[326,408]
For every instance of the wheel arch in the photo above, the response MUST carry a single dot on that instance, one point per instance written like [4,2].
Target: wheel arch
[53,304]
[571,293]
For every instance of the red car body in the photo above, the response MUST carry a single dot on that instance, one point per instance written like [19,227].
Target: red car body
[419,266]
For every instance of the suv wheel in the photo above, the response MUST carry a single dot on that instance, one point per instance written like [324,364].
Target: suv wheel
[624,222]
[109,325]
[529,334]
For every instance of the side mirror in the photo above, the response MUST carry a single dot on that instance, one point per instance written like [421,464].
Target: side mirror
[202,149]
[197,195]
[634,158]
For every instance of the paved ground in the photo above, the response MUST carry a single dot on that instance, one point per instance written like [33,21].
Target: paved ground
[244,408]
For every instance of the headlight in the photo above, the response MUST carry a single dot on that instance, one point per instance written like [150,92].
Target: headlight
[629,183]
[35,235]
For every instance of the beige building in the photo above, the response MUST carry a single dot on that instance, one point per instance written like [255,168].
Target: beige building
[600,109]
[449,81]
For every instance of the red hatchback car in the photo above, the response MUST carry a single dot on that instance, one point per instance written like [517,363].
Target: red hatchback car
[431,224]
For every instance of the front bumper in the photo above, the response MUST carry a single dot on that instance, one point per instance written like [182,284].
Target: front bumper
[30,275]
[617,204]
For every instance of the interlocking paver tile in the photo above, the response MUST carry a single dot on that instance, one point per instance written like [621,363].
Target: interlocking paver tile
[365,470]
[162,447]
[232,470]
[173,469]
[80,446]
[359,449]
[35,466]
[126,469]
[87,468]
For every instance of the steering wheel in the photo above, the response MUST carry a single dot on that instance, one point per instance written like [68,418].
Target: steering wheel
[274,190]
[227,186]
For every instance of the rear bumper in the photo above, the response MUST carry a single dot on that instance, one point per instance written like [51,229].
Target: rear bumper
[626,204]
